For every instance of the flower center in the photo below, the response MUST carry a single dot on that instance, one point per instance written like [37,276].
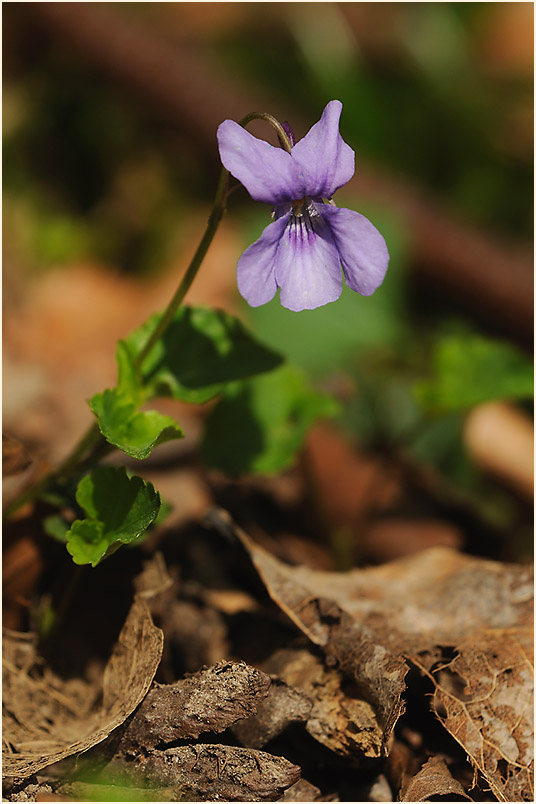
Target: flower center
[297,207]
[304,216]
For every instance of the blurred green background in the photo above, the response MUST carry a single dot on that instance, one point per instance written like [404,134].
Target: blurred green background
[439,94]
[110,112]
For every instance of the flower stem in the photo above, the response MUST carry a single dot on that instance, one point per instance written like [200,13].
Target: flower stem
[92,445]
[274,122]
[214,219]
[89,442]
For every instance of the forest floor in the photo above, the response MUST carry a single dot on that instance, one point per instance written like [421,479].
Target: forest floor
[227,658]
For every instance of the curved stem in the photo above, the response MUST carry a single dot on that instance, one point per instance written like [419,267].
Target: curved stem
[214,219]
[216,214]
[274,122]
[88,443]
[93,445]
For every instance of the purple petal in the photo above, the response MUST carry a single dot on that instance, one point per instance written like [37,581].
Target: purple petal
[255,272]
[269,174]
[307,265]
[326,161]
[361,248]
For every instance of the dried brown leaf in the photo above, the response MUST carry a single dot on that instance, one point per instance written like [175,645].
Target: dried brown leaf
[433,779]
[282,706]
[437,595]
[154,580]
[302,791]
[22,565]
[359,650]
[47,719]
[220,773]
[15,458]
[427,608]
[210,700]
[483,698]
[344,723]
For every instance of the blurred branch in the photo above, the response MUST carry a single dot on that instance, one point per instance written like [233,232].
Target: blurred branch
[476,270]
[169,77]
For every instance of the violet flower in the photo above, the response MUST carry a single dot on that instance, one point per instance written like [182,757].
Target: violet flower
[303,250]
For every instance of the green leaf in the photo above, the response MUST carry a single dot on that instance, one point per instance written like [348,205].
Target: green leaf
[119,509]
[135,432]
[471,369]
[201,350]
[128,378]
[199,353]
[56,526]
[259,424]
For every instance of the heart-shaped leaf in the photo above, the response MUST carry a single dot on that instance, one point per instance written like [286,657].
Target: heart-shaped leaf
[119,510]
[134,431]
[201,350]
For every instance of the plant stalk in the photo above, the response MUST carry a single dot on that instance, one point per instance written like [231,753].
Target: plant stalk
[89,442]
[214,219]
[93,444]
